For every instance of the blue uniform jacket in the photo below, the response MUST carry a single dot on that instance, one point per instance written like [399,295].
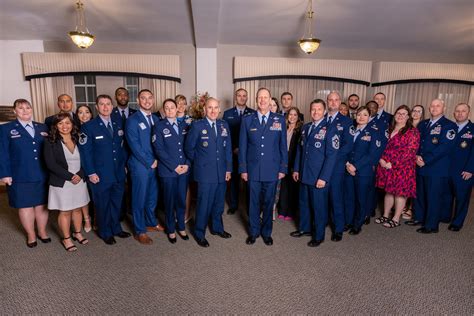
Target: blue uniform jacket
[138,134]
[317,152]
[101,153]
[263,151]
[462,156]
[21,155]
[384,121]
[436,143]
[169,147]
[343,125]
[117,116]
[231,116]
[366,151]
[211,155]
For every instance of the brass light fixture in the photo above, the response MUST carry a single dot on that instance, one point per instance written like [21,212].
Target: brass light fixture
[307,43]
[81,36]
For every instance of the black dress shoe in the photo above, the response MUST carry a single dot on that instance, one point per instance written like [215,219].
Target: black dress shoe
[347,227]
[268,241]
[298,234]
[110,241]
[423,230]
[32,244]
[454,228]
[336,237]
[44,240]
[354,231]
[367,220]
[250,240]
[413,223]
[183,237]
[171,239]
[202,242]
[224,234]
[123,234]
[314,243]
[231,211]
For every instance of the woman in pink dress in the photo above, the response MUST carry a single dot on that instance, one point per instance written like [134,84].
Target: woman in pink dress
[396,169]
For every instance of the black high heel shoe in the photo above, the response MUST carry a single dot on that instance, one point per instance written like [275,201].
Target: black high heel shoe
[171,239]
[70,248]
[44,240]
[183,237]
[83,241]
[32,244]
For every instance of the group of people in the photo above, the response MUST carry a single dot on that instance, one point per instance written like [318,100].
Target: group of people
[332,170]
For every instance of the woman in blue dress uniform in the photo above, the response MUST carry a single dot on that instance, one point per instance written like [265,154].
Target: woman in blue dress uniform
[360,169]
[183,118]
[173,168]
[23,171]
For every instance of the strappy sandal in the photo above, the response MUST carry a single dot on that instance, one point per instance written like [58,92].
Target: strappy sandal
[407,214]
[391,224]
[87,224]
[381,220]
[83,241]
[70,248]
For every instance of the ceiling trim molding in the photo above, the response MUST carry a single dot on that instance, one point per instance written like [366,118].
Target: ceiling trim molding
[365,83]
[378,84]
[384,72]
[249,67]
[35,64]
[103,73]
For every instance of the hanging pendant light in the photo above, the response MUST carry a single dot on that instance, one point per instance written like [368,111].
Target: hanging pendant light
[307,43]
[81,36]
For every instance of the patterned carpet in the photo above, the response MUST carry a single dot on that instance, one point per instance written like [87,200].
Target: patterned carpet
[380,271]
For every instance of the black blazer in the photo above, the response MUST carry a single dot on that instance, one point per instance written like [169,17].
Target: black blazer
[49,120]
[57,165]
[295,138]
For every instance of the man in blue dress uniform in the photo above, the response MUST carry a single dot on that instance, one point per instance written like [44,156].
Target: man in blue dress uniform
[65,105]
[120,113]
[263,160]
[336,185]
[233,117]
[103,159]
[142,165]
[314,165]
[437,140]
[208,145]
[460,170]
[383,118]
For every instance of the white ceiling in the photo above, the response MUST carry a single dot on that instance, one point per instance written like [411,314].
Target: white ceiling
[436,25]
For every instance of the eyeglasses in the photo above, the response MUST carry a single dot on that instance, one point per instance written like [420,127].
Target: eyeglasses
[401,114]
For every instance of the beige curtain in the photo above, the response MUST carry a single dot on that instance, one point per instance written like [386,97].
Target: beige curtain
[423,93]
[389,91]
[42,98]
[303,90]
[64,85]
[161,89]
[359,89]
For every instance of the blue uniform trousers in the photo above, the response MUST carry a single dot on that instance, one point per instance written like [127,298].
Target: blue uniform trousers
[458,194]
[336,201]
[429,200]
[107,202]
[174,195]
[234,184]
[315,202]
[358,205]
[262,197]
[210,204]
[144,199]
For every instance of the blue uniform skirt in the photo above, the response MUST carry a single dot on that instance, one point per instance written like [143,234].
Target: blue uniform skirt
[27,194]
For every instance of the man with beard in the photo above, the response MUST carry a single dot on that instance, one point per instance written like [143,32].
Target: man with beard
[353,102]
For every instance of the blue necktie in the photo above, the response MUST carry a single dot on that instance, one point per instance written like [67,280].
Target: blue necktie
[175,127]
[311,128]
[150,123]
[109,127]
[263,120]
[356,134]
[330,120]
[213,126]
